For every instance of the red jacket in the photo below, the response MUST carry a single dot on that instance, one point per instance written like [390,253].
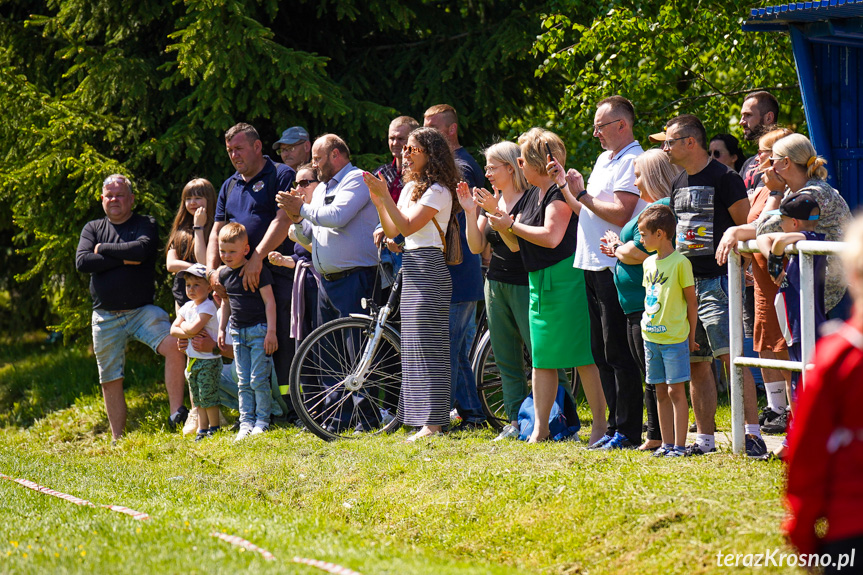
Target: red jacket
[825,460]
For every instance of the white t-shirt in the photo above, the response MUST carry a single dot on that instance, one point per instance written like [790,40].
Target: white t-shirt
[190,312]
[437,197]
[608,176]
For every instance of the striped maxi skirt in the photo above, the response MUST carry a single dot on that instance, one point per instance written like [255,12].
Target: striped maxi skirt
[425,299]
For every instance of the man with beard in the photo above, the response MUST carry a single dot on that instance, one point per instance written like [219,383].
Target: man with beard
[759,114]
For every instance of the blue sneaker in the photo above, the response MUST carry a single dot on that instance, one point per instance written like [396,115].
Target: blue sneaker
[661,451]
[675,453]
[755,447]
[619,441]
[601,443]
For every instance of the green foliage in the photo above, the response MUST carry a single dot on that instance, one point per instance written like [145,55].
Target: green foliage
[147,89]
[668,57]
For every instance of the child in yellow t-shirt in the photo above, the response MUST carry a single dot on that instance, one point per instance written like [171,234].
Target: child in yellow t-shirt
[668,325]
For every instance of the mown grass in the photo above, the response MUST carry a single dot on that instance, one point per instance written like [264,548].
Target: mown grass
[456,504]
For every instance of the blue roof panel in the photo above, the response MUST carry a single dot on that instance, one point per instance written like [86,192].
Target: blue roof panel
[798,12]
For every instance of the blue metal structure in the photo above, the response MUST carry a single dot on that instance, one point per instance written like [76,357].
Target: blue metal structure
[827,40]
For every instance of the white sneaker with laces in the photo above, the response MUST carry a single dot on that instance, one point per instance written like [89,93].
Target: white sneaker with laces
[258,430]
[509,431]
[245,431]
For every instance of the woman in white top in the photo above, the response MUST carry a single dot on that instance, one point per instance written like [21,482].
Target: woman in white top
[432,177]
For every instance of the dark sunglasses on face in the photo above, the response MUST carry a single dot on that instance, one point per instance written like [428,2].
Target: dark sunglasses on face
[304,183]
[410,150]
[714,153]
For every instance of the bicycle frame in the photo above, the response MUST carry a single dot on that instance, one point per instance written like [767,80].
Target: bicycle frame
[379,317]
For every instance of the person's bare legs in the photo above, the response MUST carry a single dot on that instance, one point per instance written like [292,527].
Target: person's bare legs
[665,410]
[703,391]
[750,398]
[175,365]
[592,386]
[544,392]
[680,408]
[115,405]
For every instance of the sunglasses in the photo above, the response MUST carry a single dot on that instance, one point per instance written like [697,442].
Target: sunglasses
[714,153]
[305,183]
[410,150]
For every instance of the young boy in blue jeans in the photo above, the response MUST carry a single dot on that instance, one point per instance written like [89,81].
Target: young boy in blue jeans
[253,328]
[203,370]
[668,325]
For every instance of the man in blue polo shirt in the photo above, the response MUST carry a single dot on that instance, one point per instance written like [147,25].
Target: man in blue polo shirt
[249,198]
[466,279]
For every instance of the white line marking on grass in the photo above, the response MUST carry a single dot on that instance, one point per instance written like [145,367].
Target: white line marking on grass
[76,500]
[240,542]
[325,566]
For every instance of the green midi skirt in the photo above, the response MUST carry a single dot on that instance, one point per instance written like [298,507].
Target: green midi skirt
[559,320]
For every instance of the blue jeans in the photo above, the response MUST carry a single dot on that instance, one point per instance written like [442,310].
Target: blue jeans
[253,371]
[712,296]
[462,327]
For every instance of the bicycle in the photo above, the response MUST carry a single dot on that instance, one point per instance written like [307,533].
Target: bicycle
[346,375]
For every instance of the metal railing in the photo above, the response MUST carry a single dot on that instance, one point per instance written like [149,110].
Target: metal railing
[806,249]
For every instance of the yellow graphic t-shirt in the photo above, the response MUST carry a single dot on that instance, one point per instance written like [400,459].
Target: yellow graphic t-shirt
[664,320]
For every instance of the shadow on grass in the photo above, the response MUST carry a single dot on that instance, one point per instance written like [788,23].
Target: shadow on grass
[38,379]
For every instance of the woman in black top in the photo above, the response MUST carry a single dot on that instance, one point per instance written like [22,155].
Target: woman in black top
[507,295]
[546,230]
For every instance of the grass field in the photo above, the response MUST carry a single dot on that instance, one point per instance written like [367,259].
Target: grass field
[455,504]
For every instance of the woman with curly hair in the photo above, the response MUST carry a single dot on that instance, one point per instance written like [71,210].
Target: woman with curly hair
[428,197]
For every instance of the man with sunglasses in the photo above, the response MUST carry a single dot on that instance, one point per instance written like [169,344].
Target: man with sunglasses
[607,203]
[708,198]
[294,147]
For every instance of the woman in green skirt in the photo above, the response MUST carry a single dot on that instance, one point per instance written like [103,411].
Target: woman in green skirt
[545,227]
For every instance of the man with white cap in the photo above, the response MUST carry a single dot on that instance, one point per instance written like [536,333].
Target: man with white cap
[294,147]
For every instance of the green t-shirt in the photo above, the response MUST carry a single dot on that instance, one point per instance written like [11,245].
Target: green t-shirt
[664,320]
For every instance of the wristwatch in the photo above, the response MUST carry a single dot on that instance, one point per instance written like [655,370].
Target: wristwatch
[580,195]
[776,193]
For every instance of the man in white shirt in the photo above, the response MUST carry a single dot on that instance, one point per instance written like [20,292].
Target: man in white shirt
[608,202]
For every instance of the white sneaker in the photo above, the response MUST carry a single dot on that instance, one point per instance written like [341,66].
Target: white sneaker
[509,431]
[191,425]
[258,430]
[245,431]
[454,416]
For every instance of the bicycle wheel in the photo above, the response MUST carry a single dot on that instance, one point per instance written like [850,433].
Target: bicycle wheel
[489,385]
[488,382]
[328,392]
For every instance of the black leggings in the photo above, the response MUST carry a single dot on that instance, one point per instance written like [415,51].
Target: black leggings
[636,347]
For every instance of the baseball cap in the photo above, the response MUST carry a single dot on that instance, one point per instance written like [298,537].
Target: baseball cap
[199,270]
[800,206]
[657,138]
[292,136]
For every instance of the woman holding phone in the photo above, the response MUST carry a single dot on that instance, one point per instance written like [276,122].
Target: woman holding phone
[545,228]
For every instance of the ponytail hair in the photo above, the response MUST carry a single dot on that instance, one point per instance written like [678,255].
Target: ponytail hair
[800,150]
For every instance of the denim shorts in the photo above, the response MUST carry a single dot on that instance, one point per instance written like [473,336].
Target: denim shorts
[112,330]
[666,363]
[712,296]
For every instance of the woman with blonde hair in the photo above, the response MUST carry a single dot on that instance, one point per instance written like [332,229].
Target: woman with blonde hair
[653,176]
[507,295]
[187,242]
[546,230]
[767,338]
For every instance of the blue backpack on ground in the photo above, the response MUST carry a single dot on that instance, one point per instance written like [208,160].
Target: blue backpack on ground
[562,422]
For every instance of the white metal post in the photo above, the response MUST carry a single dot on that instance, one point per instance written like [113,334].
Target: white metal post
[735,318]
[807,304]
